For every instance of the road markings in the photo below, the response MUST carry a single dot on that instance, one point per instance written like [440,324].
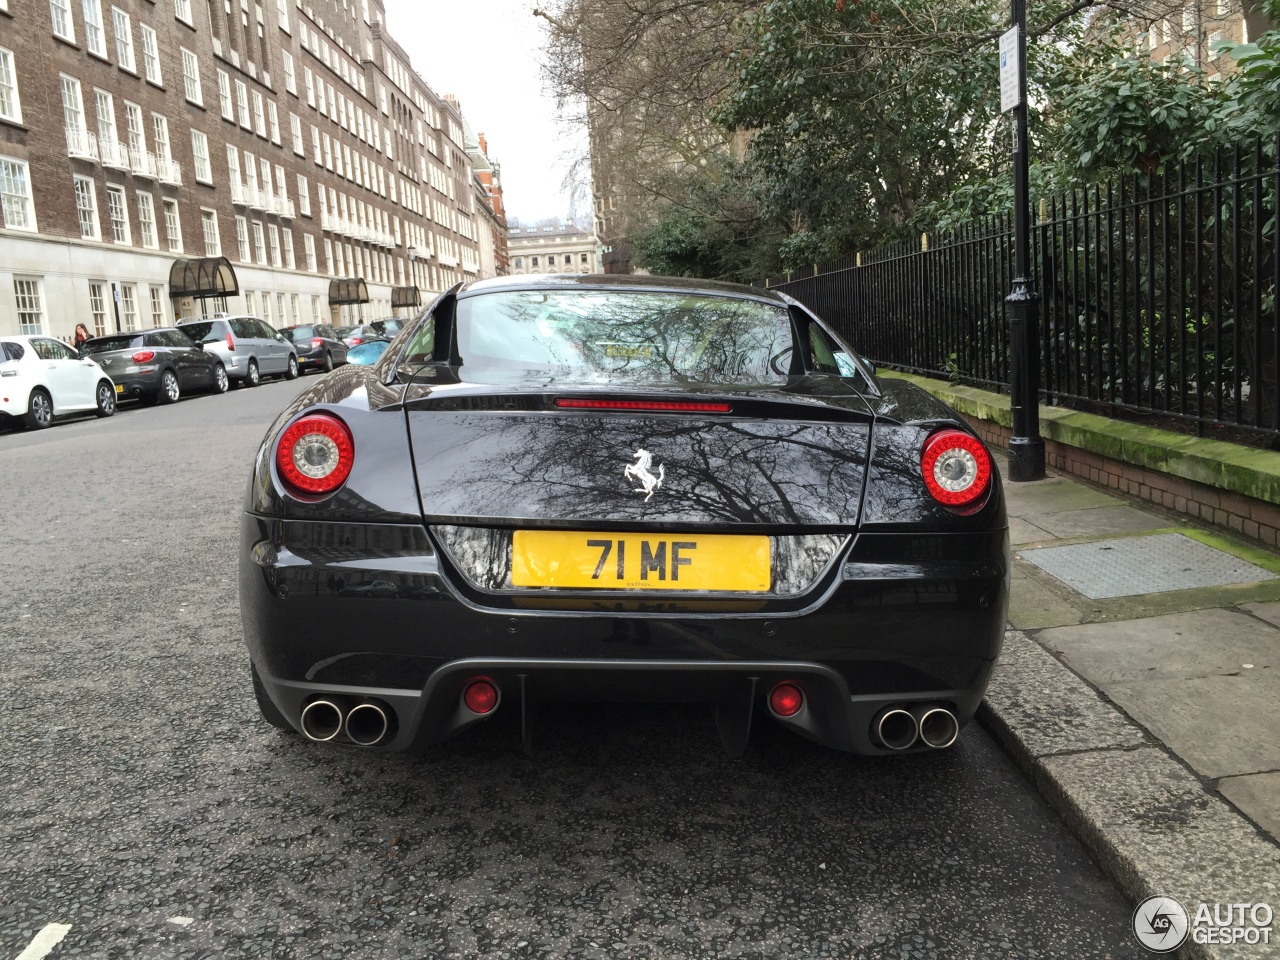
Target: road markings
[182,921]
[45,940]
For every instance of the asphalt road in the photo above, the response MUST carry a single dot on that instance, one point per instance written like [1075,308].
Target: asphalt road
[144,803]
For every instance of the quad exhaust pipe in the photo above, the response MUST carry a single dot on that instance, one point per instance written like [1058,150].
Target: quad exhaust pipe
[366,724]
[900,728]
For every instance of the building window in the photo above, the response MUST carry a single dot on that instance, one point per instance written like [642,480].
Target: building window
[94,36]
[259,114]
[118,214]
[295,130]
[266,308]
[224,96]
[150,55]
[30,306]
[160,136]
[242,239]
[62,24]
[209,224]
[308,82]
[309,251]
[10,106]
[157,306]
[191,77]
[293,308]
[124,39]
[147,221]
[259,242]
[280,308]
[328,256]
[315,144]
[200,150]
[290,76]
[106,122]
[533,261]
[282,14]
[172,226]
[134,134]
[15,195]
[242,103]
[273,234]
[87,208]
[274,117]
[289,260]
[128,306]
[315,308]
[251,303]
[182,10]
[98,308]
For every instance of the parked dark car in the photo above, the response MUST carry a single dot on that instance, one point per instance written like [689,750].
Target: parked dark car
[592,488]
[386,328]
[156,366]
[318,345]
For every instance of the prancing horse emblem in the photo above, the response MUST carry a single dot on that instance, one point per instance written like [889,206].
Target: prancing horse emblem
[640,471]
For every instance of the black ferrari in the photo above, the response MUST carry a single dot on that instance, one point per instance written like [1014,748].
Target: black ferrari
[587,488]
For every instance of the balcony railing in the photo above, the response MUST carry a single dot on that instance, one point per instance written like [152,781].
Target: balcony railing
[81,144]
[113,153]
[169,171]
[237,193]
[257,199]
[143,164]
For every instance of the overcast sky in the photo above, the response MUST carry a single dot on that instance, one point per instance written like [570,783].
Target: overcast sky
[486,52]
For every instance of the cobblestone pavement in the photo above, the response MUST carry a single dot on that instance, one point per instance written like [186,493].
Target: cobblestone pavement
[145,804]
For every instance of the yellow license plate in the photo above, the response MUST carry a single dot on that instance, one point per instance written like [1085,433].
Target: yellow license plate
[119,388]
[633,561]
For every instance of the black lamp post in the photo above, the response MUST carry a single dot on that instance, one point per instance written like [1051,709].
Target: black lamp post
[1026,448]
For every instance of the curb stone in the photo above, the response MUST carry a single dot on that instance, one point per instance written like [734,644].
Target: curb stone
[1152,826]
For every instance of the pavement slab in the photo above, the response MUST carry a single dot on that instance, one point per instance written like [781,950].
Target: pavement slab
[1098,521]
[1024,531]
[1222,726]
[1194,644]
[1269,612]
[1054,495]
[1257,796]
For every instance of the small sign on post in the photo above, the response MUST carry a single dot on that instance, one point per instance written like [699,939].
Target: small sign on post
[1010,81]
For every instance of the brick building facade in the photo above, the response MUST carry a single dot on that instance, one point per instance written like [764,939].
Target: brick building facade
[292,137]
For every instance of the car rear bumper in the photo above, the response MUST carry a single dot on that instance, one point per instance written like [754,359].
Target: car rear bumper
[879,635]
[137,385]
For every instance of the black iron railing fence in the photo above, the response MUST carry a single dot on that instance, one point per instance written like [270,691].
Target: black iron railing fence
[1158,295]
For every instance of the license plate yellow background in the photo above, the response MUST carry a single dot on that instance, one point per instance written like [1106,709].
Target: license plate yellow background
[555,558]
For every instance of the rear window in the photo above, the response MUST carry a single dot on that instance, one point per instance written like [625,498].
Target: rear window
[598,336]
[204,331]
[10,351]
[299,333]
[105,344]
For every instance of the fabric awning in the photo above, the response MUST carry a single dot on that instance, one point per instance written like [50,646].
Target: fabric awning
[347,290]
[405,297]
[203,277]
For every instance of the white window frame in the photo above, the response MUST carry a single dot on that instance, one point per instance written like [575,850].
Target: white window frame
[273,122]
[64,26]
[151,55]
[304,196]
[147,221]
[286,239]
[309,251]
[242,104]
[128,306]
[118,203]
[95,33]
[10,102]
[225,102]
[17,210]
[259,115]
[242,239]
[191,86]
[200,157]
[122,27]
[295,131]
[259,243]
[160,137]
[28,293]
[86,195]
[290,72]
[98,306]
[182,10]
[273,241]
[159,316]
[172,225]
[212,246]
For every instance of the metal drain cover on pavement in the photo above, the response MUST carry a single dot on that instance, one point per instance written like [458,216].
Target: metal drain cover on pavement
[1135,565]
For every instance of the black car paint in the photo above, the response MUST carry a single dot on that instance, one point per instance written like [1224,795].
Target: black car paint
[195,369]
[312,355]
[913,611]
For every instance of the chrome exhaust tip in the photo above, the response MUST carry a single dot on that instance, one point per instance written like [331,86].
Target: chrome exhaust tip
[367,724]
[939,728]
[321,720]
[896,729]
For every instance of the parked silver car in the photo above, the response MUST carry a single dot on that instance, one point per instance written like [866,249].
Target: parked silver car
[248,348]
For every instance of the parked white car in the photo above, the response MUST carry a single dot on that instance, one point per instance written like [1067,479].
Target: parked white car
[42,378]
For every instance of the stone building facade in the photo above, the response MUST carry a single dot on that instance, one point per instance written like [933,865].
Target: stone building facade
[550,246]
[292,137]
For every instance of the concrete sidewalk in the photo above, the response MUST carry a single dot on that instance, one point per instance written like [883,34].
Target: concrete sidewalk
[1140,688]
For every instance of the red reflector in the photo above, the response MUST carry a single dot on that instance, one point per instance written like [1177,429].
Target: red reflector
[314,455]
[956,468]
[142,356]
[316,341]
[481,696]
[673,406]
[786,699]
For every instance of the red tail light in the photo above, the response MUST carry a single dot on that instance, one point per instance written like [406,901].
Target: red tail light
[231,344]
[354,342]
[142,356]
[956,468]
[316,341]
[666,406]
[314,455]
[481,695]
[786,699]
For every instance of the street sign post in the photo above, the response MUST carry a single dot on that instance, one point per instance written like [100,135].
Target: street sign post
[1010,72]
